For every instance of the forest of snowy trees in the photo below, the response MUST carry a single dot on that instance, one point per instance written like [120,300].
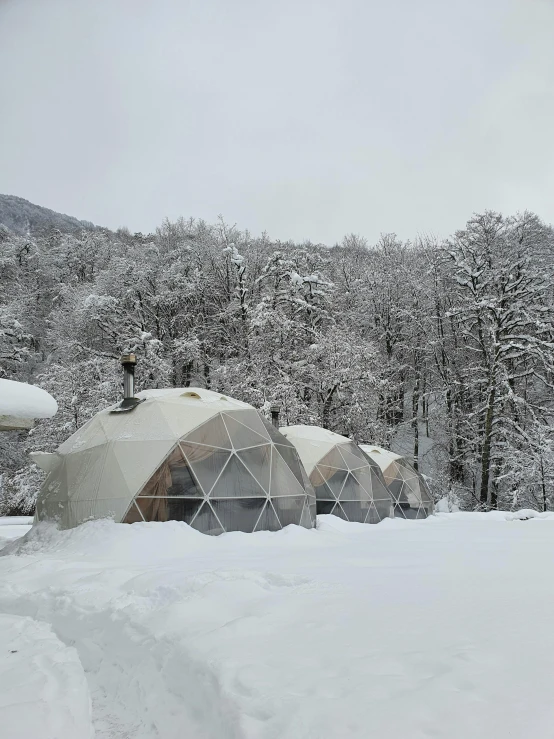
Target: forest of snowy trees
[449,346]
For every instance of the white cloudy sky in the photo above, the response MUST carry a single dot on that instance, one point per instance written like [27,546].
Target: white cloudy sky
[305,118]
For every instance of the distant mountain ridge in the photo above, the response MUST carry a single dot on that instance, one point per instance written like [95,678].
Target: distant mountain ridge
[25,218]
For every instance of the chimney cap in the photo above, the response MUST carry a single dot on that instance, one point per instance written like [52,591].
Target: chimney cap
[128,358]
[275,407]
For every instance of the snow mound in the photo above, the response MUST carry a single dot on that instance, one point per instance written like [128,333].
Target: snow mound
[446,505]
[43,689]
[106,539]
[21,400]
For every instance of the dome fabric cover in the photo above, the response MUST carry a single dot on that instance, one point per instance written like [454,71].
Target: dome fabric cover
[412,497]
[346,483]
[184,454]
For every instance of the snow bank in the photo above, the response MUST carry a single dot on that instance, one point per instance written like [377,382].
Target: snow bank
[20,400]
[431,628]
[43,690]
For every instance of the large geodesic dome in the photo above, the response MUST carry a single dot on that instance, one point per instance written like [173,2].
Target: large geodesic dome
[412,497]
[347,483]
[182,454]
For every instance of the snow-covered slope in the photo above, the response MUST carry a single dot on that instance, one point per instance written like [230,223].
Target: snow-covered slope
[23,217]
[404,630]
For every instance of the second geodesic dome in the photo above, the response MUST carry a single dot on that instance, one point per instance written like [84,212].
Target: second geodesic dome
[412,497]
[182,454]
[347,483]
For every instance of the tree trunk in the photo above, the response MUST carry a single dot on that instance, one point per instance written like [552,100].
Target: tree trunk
[415,421]
[543,486]
[487,445]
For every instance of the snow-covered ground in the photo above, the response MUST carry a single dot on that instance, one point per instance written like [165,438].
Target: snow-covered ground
[404,630]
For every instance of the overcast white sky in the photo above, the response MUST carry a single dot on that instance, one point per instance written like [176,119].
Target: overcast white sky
[307,119]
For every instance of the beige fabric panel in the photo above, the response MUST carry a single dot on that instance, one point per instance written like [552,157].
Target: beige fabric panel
[79,512]
[90,435]
[310,452]
[138,460]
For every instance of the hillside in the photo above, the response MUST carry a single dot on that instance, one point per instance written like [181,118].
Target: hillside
[23,217]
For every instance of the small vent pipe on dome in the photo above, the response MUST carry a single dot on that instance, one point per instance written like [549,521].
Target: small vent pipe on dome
[275,411]
[129,402]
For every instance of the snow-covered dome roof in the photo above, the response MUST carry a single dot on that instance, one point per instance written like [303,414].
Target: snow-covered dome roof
[383,457]
[182,453]
[22,402]
[312,442]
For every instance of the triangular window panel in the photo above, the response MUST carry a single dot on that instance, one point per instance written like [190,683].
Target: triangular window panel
[206,521]
[396,488]
[355,510]
[268,520]
[334,478]
[252,419]
[353,460]
[239,514]
[373,515]
[275,435]
[352,490]
[212,433]
[384,508]
[182,483]
[173,477]
[236,482]
[168,509]
[333,458]
[207,463]
[323,492]
[289,509]
[258,462]
[242,436]
[283,481]
[363,476]
[290,455]
[379,489]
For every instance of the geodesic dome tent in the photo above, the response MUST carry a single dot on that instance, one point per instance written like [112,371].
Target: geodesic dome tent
[412,498]
[346,482]
[183,454]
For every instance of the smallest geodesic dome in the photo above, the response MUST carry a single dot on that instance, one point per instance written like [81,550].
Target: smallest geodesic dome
[347,483]
[412,497]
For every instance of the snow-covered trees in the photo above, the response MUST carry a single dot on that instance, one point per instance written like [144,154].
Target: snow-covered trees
[444,350]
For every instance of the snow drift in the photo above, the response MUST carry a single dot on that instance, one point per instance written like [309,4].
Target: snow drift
[439,627]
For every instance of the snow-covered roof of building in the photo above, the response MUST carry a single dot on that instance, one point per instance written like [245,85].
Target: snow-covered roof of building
[21,403]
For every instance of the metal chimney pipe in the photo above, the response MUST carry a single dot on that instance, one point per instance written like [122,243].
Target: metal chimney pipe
[128,361]
[275,410]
